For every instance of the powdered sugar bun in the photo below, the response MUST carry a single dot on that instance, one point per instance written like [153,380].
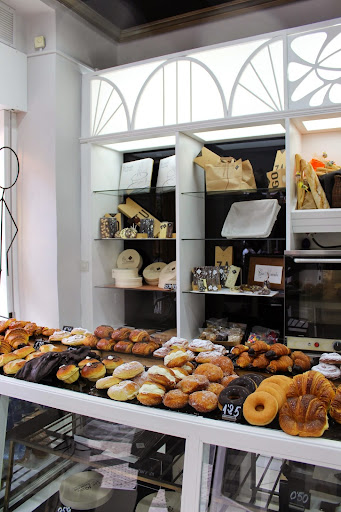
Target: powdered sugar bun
[198,345]
[332,358]
[128,370]
[328,370]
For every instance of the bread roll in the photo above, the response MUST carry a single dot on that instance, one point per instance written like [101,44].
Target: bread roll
[128,370]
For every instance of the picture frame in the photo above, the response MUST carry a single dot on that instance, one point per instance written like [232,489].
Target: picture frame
[137,174]
[269,268]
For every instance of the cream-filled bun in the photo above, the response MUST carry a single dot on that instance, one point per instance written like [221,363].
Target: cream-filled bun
[177,358]
[162,375]
[107,382]
[123,391]
[151,393]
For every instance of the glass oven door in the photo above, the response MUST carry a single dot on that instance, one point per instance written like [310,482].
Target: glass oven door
[313,300]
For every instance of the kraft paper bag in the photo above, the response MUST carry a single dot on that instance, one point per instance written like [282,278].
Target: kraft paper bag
[230,175]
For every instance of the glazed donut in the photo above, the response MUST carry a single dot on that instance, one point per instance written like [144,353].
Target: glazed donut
[215,387]
[225,381]
[256,377]
[275,390]
[175,399]
[212,372]
[260,408]
[245,382]
[281,380]
[235,395]
[203,401]
[193,383]
[128,370]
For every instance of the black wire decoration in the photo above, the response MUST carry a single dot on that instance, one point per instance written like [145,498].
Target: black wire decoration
[4,205]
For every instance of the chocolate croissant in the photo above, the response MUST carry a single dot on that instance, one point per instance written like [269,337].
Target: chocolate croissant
[312,383]
[121,334]
[244,360]
[239,349]
[302,362]
[283,364]
[260,361]
[143,348]
[277,350]
[139,335]
[258,347]
[305,416]
[103,331]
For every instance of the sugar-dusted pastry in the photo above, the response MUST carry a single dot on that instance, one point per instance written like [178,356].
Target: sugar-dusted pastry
[47,331]
[219,348]
[203,401]
[331,371]
[76,340]
[151,393]
[141,378]
[206,357]
[79,330]
[68,373]
[128,370]
[59,335]
[198,345]
[215,388]
[177,358]
[175,399]
[123,391]
[107,382]
[189,367]
[331,358]
[211,371]
[224,363]
[180,373]
[161,352]
[176,342]
[193,383]
[162,375]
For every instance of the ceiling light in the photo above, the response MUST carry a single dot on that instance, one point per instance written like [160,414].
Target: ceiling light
[146,144]
[323,124]
[241,133]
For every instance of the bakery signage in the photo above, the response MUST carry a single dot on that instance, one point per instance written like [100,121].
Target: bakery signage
[232,412]
[67,328]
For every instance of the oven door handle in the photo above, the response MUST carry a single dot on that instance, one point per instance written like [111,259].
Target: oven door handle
[317,260]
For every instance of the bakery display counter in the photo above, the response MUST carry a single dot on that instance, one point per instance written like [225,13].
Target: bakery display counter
[63,413]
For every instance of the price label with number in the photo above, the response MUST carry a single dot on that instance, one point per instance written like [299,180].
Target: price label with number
[299,496]
[67,328]
[232,412]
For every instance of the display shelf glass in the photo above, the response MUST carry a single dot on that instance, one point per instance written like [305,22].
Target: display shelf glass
[225,240]
[136,191]
[135,239]
[128,465]
[241,481]
[143,288]
[226,291]
[247,192]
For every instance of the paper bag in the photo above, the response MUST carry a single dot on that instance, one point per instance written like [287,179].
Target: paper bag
[277,176]
[229,175]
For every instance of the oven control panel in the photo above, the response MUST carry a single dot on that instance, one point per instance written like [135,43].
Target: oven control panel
[315,344]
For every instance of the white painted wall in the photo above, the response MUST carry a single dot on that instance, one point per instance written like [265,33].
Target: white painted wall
[245,25]
[37,216]
[68,189]
[13,89]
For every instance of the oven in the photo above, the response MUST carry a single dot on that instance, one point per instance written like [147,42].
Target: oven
[313,300]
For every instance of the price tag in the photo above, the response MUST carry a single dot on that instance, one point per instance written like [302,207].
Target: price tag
[170,286]
[67,328]
[232,412]
[298,495]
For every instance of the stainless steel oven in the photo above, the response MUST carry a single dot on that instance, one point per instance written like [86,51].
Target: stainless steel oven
[313,300]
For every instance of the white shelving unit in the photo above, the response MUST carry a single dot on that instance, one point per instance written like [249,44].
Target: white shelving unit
[158,104]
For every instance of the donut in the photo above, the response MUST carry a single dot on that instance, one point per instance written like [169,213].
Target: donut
[193,383]
[175,399]
[328,370]
[275,390]
[128,370]
[203,401]
[224,363]
[215,387]
[225,381]
[162,375]
[151,393]
[281,380]
[107,382]
[256,377]
[123,391]
[212,372]
[260,408]
[177,358]
[235,395]
[245,382]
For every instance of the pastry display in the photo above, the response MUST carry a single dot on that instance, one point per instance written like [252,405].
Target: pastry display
[124,347]
[275,390]
[180,373]
[151,393]
[312,383]
[302,362]
[198,345]
[139,335]
[111,362]
[105,344]
[277,350]
[331,358]
[121,334]
[215,387]
[162,375]
[304,416]
[283,364]
[103,331]
[177,358]
[193,383]
[59,335]
[142,348]
[87,360]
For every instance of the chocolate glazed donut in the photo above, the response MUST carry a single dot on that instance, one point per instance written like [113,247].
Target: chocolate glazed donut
[235,395]
[244,382]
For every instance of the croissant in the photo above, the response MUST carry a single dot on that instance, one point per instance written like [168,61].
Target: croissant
[142,348]
[121,334]
[5,348]
[16,324]
[4,324]
[283,364]
[301,361]
[335,406]
[30,328]
[139,335]
[16,337]
[103,331]
[312,383]
[244,360]
[277,350]
[124,347]
[258,346]
[239,349]
[305,416]
[260,361]
[90,340]
[105,344]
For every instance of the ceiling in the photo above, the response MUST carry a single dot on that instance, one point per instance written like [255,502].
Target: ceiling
[125,20]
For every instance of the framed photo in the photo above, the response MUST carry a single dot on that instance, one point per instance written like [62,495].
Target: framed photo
[270,268]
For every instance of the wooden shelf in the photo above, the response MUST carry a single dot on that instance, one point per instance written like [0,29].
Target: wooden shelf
[143,288]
